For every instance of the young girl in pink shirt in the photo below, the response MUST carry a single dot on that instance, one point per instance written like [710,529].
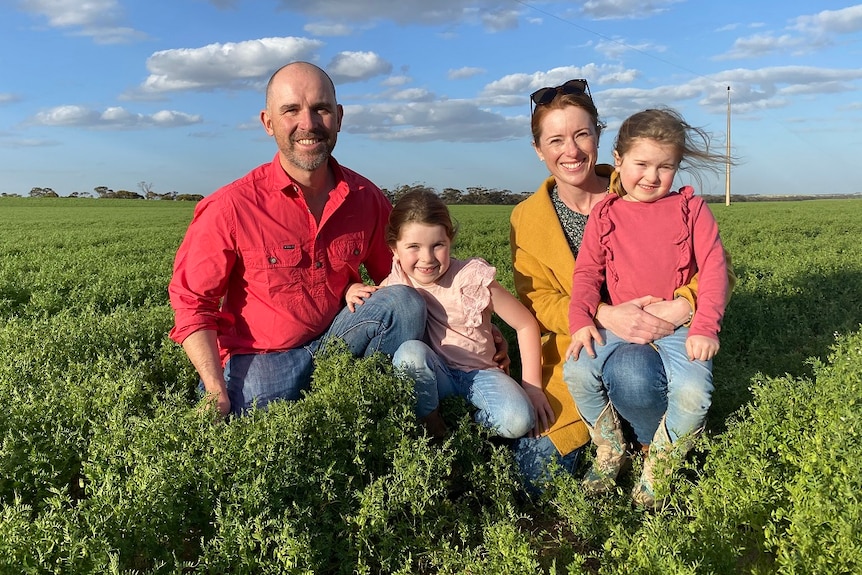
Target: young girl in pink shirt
[456,356]
[645,239]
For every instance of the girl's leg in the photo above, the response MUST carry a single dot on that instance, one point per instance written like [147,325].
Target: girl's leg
[637,386]
[585,377]
[689,388]
[432,378]
[502,404]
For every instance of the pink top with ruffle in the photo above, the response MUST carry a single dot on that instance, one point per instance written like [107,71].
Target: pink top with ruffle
[641,248]
[459,312]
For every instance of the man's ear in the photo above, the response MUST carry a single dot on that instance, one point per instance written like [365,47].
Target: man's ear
[266,121]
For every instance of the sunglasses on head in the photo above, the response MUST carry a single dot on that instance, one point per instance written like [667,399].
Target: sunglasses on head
[546,95]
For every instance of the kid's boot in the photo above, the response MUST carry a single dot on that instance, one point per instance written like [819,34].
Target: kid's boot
[653,487]
[607,435]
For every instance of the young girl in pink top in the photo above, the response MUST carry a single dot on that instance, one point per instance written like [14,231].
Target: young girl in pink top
[456,357]
[646,240]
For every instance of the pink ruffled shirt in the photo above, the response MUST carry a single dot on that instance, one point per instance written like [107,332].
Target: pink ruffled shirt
[459,313]
[640,249]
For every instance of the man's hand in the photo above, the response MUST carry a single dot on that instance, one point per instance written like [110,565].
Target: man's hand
[218,401]
[357,294]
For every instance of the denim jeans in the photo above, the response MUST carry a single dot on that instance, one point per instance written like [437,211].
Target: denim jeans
[502,404]
[637,387]
[534,458]
[689,383]
[391,316]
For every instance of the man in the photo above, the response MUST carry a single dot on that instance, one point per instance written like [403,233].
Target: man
[269,268]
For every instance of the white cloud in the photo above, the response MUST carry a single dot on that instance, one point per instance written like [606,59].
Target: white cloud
[414,95]
[446,121]
[810,32]
[465,72]
[625,9]
[113,117]
[223,66]
[328,29]
[615,48]
[395,81]
[845,21]
[8,98]
[500,20]
[357,66]
[98,19]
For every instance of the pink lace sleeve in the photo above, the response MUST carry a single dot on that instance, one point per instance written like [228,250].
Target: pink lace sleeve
[473,281]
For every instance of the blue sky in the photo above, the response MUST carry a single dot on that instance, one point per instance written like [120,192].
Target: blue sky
[168,92]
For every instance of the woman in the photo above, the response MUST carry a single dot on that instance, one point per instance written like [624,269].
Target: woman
[546,231]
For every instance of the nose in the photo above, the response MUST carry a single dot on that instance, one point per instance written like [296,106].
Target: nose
[306,118]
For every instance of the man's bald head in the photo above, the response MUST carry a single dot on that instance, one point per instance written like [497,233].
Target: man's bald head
[294,70]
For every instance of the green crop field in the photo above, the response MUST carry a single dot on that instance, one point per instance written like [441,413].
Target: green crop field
[108,464]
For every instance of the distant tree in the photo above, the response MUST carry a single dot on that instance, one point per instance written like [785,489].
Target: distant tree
[7,195]
[188,197]
[43,193]
[103,191]
[451,195]
[127,195]
[147,190]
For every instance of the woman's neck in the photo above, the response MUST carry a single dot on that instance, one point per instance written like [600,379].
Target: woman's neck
[582,198]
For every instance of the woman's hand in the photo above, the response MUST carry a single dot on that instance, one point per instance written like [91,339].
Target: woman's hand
[357,294]
[629,320]
[676,311]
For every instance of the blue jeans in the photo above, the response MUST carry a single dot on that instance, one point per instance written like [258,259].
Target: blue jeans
[637,387]
[689,383]
[502,404]
[534,458]
[388,318]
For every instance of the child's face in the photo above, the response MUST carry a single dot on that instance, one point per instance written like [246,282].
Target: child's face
[647,170]
[423,252]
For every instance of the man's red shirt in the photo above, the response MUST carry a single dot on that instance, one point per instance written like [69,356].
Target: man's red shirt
[257,268]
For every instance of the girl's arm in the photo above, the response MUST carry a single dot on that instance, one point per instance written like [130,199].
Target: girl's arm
[522,321]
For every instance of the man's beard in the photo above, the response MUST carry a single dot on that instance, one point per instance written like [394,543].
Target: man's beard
[306,161]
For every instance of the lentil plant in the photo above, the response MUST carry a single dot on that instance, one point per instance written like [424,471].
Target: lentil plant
[108,464]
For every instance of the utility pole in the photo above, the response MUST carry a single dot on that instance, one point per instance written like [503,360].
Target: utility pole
[727,159]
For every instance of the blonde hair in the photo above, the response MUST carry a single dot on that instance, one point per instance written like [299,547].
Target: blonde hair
[667,126]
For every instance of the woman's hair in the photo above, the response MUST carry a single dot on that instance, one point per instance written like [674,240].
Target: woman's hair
[420,207]
[560,101]
[667,126]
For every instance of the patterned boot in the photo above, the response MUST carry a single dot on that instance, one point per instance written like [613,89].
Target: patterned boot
[653,488]
[607,435]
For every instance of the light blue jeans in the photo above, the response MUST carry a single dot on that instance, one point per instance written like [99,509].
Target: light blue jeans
[502,404]
[637,386]
[689,383]
[387,319]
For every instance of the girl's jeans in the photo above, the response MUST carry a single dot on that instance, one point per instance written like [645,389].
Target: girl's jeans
[689,383]
[388,318]
[502,404]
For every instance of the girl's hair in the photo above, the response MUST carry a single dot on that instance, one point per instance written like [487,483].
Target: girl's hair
[667,126]
[420,207]
[560,101]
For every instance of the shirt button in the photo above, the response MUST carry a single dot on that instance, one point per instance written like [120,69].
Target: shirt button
[273,260]
[356,252]
[318,265]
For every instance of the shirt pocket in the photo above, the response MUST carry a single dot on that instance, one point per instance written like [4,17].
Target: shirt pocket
[347,253]
[277,270]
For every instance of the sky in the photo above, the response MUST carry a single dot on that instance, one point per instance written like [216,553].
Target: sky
[168,93]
